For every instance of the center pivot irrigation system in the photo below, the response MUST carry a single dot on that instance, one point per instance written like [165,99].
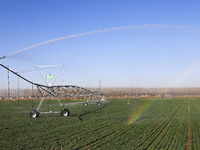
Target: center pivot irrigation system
[62,91]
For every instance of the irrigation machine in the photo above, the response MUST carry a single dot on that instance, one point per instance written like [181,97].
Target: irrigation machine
[61,91]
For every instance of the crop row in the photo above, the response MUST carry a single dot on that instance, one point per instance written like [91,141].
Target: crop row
[164,124]
[134,134]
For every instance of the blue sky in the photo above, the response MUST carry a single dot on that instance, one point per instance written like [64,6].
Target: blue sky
[136,57]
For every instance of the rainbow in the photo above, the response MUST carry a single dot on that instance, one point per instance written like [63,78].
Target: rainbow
[183,75]
[137,113]
[186,73]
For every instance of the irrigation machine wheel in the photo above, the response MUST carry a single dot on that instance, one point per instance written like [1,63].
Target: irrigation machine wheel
[86,103]
[99,103]
[34,114]
[65,113]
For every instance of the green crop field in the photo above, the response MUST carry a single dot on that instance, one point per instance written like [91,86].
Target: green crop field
[171,123]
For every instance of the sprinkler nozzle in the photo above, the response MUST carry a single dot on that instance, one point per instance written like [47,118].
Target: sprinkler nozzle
[3,57]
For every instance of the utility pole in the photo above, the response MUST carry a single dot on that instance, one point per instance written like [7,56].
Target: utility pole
[32,96]
[18,93]
[99,85]
[8,84]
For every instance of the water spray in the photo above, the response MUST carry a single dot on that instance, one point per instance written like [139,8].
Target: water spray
[145,26]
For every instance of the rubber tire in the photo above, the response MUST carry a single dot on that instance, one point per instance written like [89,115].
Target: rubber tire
[65,113]
[85,104]
[34,114]
[99,103]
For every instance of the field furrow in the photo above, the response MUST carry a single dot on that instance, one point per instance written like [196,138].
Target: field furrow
[155,131]
[162,131]
[141,124]
[188,130]
[103,138]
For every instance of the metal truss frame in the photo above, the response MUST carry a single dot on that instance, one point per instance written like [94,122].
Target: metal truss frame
[58,92]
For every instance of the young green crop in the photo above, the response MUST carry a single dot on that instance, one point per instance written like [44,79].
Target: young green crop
[162,125]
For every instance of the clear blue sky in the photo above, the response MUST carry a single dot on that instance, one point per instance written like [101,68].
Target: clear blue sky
[141,57]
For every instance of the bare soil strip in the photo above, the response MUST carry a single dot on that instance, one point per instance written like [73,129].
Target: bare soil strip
[153,131]
[103,138]
[197,107]
[188,131]
[166,117]
[161,131]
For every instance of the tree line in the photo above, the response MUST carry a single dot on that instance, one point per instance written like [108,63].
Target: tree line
[112,92]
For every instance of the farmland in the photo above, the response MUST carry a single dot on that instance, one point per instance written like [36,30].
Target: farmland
[162,123]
